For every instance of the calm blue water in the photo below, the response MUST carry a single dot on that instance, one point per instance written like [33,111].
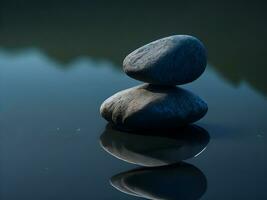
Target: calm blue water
[50,129]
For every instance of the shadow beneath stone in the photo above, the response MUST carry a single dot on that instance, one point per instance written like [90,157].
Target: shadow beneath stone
[155,148]
[180,181]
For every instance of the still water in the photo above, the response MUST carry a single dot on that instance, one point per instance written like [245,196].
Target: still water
[51,128]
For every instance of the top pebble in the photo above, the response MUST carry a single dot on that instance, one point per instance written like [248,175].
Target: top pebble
[174,60]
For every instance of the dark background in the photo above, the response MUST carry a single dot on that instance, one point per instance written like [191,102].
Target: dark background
[234,32]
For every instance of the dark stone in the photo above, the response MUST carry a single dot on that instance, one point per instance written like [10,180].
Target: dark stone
[155,148]
[181,181]
[152,107]
[173,60]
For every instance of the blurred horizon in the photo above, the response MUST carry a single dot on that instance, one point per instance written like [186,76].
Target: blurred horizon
[100,29]
[234,33]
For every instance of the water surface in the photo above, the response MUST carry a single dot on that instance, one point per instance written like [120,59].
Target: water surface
[50,129]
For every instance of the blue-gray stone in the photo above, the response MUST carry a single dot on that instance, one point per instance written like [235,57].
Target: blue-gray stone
[151,107]
[155,148]
[173,60]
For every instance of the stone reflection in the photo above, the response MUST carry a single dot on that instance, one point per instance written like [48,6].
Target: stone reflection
[155,148]
[180,181]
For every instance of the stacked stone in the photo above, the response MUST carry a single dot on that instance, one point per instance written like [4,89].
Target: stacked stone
[159,103]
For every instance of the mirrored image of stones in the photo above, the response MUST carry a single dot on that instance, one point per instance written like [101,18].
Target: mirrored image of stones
[164,174]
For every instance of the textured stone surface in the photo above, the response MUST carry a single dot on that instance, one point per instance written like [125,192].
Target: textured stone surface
[155,148]
[151,107]
[173,60]
[183,181]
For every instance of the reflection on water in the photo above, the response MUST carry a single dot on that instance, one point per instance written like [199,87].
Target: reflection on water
[180,181]
[158,148]
[234,32]
[155,148]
